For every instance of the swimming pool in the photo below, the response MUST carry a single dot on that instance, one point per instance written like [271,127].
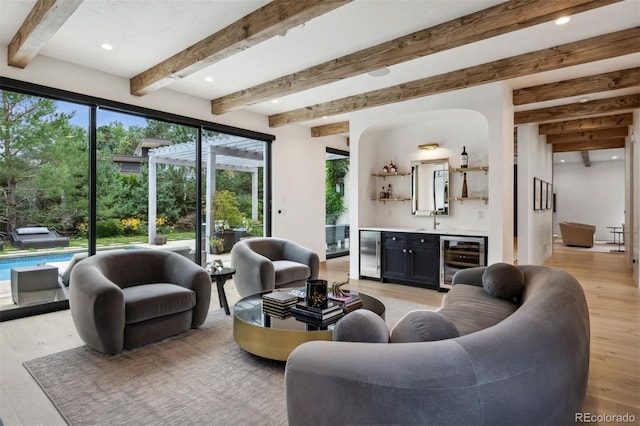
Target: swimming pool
[18,262]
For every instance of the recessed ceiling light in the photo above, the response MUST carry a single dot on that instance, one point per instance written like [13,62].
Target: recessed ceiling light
[208,79]
[562,161]
[583,100]
[106,46]
[379,73]
[275,101]
[615,157]
[563,20]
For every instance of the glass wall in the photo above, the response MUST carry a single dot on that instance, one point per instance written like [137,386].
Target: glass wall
[81,174]
[43,177]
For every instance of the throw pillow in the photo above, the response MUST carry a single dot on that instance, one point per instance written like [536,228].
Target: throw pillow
[503,280]
[423,326]
[361,325]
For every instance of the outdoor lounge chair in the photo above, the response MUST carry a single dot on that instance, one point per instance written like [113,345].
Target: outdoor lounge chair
[37,237]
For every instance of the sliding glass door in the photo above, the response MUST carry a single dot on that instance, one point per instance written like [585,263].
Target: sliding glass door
[337,229]
[44,198]
[81,174]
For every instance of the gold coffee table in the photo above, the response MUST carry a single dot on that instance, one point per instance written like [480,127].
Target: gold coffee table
[273,338]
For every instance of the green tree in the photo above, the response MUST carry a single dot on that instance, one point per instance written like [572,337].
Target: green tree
[336,170]
[34,136]
[226,209]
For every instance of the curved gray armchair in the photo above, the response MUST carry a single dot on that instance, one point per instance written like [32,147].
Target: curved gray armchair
[123,299]
[267,263]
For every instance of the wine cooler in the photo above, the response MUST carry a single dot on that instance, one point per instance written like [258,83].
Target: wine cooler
[458,253]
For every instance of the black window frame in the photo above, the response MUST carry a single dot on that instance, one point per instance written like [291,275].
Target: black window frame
[95,103]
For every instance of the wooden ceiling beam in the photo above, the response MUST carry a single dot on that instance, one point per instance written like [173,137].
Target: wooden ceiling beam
[585,158]
[593,49]
[500,19]
[621,79]
[578,109]
[274,18]
[43,21]
[330,129]
[591,135]
[583,124]
[587,146]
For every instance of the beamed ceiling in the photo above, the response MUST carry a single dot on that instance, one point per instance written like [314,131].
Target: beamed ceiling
[308,61]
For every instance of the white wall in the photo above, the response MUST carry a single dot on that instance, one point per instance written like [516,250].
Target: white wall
[493,102]
[535,234]
[298,159]
[633,201]
[594,195]
[400,145]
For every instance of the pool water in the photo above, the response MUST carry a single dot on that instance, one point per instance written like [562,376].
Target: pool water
[7,264]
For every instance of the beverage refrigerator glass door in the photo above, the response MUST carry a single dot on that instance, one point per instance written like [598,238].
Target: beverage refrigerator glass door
[458,253]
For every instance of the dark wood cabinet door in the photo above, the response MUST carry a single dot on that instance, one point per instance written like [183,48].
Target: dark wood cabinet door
[394,255]
[424,260]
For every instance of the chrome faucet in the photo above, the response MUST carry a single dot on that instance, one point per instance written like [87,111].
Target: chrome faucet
[435,224]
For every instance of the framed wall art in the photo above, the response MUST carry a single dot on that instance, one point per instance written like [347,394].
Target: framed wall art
[537,193]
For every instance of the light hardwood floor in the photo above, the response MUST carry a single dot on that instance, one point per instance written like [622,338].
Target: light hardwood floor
[614,304]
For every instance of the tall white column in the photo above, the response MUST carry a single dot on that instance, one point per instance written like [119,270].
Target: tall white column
[254,194]
[211,188]
[152,198]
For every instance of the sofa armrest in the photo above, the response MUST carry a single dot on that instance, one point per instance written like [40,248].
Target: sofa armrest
[345,383]
[471,276]
[297,253]
[97,308]
[181,271]
[254,273]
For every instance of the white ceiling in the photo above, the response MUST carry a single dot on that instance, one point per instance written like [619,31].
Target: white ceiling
[145,32]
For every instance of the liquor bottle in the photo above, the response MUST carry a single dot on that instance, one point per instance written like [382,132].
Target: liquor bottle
[464,158]
[389,192]
[392,167]
[465,193]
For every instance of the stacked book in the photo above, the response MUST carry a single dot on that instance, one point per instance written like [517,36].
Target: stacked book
[349,302]
[278,304]
[319,317]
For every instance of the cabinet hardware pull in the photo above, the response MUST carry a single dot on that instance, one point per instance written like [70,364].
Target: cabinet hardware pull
[422,240]
[410,251]
[404,250]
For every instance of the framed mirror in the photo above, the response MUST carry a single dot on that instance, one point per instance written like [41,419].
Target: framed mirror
[430,187]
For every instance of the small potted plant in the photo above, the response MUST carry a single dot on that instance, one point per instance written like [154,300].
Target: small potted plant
[216,245]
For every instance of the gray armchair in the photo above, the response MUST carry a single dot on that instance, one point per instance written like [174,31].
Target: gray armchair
[123,299]
[264,264]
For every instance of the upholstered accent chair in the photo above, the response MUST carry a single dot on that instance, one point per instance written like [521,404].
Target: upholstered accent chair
[268,263]
[577,234]
[123,299]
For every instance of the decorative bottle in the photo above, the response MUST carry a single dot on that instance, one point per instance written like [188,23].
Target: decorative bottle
[465,193]
[389,192]
[383,193]
[392,168]
[464,158]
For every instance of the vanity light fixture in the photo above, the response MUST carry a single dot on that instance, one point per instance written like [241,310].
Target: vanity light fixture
[429,146]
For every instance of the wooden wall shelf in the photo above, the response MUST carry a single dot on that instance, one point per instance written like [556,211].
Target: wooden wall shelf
[462,199]
[484,169]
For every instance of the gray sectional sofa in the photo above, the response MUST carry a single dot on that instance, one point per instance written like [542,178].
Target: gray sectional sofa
[518,359]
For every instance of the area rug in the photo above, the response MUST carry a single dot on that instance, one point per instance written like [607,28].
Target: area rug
[200,377]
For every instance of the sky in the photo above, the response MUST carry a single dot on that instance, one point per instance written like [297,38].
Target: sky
[81,117]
